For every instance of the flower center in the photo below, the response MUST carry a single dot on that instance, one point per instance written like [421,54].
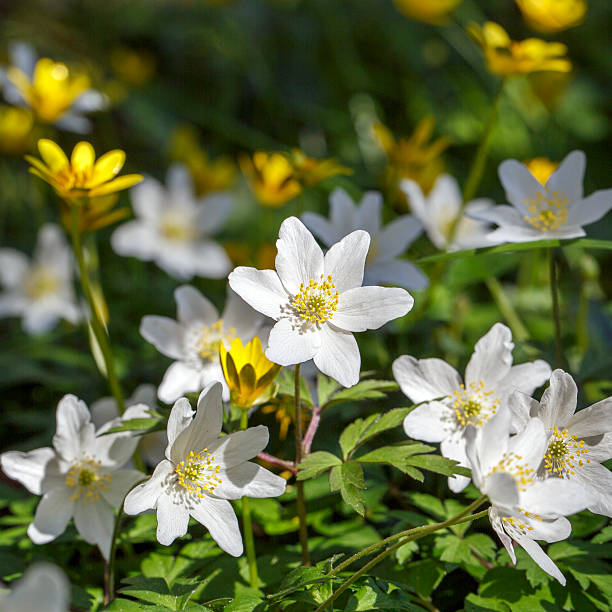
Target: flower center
[474,405]
[88,480]
[177,227]
[549,211]
[198,474]
[564,453]
[317,301]
[41,282]
[211,337]
[521,472]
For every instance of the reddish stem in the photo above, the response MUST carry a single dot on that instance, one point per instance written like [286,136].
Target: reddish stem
[287,465]
[311,431]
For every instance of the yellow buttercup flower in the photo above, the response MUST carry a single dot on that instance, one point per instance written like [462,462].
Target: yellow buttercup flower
[310,171]
[551,16]
[15,130]
[248,373]
[541,168]
[507,57]
[429,11]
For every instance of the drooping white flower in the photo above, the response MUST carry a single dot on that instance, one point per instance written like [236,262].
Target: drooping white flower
[438,212]
[318,301]
[80,477]
[386,244]
[524,508]
[202,471]
[193,340]
[43,587]
[172,227]
[150,446]
[40,290]
[578,442]
[555,210]
[451,405]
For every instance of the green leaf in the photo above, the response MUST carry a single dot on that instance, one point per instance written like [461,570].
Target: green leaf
[326,387]
[156,591]
[352,433]
[245,602]
[286,386]
[374,594]
[315,464]
[141,425]
[424,576]
[353,474]
[335,478]
[351,483]
[364,390]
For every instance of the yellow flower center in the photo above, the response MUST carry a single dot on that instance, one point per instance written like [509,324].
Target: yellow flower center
[41,282]
[474,405]
[198,474]
[177,227]
[317,301]
[211,337]
[549,210]
[564,453]
[510,464]
[88,480]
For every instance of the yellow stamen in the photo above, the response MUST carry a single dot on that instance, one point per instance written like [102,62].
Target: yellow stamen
[198,474]
[317,301]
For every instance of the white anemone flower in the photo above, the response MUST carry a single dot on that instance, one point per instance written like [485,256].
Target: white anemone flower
[39,290]
[80,477]
[555,210]
[523,508]
[450,405]
[386,243]
[43,587]
[438,212]
[172,227]
[193,341]
[318,301]
[202,471]
[578,442]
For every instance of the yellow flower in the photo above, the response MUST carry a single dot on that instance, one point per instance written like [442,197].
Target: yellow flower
[248,373]
[284,412]
[310,171]
[263,257]
[507,57]
[429,11]
[81,176]
[15,130]
[541,168]
[413,158]
[551,16]
[52,90]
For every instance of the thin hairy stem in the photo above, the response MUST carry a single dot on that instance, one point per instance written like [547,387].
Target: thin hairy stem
[554,292]
[301,502]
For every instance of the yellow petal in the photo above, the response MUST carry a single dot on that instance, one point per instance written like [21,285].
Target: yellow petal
[44,176]
[108,166]
[52,155]
[83,156]
[123,182]
[247,380]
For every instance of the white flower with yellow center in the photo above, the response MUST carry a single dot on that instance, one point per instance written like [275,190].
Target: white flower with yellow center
[438,212]
[386,243]
[193,341]
[172,227]
[80,477]
[43,587]
[578,442]
[524,508]
[318,301]
[555,210]
[202,471]
[450,405]
[40,290]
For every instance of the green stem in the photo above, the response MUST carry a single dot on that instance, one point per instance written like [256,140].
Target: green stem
[519,331]
[552,268]
[96,324]
[301,502]
[110,582]
[411,534]
[247,524]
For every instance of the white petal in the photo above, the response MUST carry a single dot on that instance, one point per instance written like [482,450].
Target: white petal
[530,444]
[342,211]
[522,408]
[74,430]
[28,468]
[492,357]
[371,307]
[210,260]
[180,378]
[321,228]
[214,210]
[95,522]
[416,200]
[121,482]
[525,233]
[103,411]
[137,239]
[397,236]
[52,515]
[239,447]
[172,519]
[525,377]
[249,480]
[290,342]
[568,177]
[262,289]
[453,447]
[179,183]
[299,258]
[144,496]
[501,215]
[534,550]
[43,587]
[427,422]
[549,530]
[218,517]
[597,480]
[166,335]
[13,266]
[558,402]
[240,317]
[345,261]
[191,306]
[600,447]
[338,356]
[396,272]
[502,490]
[497,525]
[425,379]
[23,57]
[73,122]
[518,183]
[148,199]
[555,497]
[369,212]
[591,209]
[592,421]
[180,418]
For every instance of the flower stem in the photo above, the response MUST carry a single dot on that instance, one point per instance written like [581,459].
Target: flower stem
[97,325]
[519,331]
[402,538]
[109,593]
[247,524]
[312,430]
[301,503]
[552,268]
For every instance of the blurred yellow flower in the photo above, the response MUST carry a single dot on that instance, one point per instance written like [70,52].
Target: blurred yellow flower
[541,168]
[241,254]
[551,16]
[15,130]
[248,373]
[81,176]
[507,57]
[310,171]
[414,158]
[429,11]
[132,66]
